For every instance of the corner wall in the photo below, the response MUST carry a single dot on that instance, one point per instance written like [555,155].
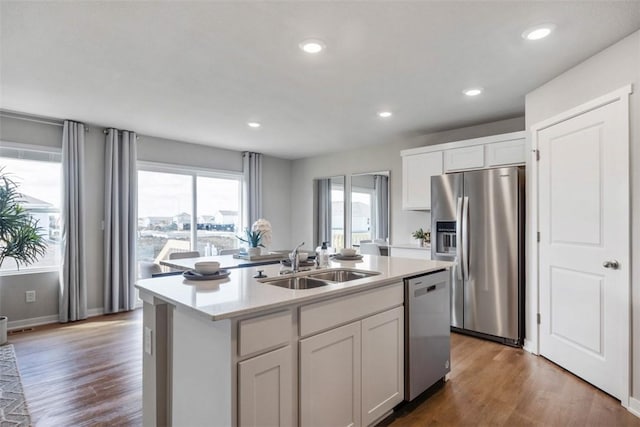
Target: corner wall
[611,69]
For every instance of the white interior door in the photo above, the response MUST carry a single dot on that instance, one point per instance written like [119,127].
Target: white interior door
[584,245]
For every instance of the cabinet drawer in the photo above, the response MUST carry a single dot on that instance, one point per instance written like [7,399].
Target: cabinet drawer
[264,332]
[464,158]
[328,314]
[506,153]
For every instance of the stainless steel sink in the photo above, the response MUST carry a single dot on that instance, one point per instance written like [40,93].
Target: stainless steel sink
[303,282]
[342,275]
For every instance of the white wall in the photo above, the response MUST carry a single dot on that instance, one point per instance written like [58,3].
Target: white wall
[373,159]
[611,69]
[277,207]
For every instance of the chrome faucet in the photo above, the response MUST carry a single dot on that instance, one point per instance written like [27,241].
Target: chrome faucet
[293,257]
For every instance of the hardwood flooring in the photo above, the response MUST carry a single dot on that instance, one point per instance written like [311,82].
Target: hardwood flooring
[90,374]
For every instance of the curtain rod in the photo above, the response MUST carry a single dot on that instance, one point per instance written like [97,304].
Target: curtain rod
[35,119]
[106,131]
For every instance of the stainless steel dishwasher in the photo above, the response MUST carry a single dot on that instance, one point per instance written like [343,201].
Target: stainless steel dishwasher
[427,331]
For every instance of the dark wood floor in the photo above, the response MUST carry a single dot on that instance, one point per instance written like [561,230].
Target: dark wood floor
[89,373]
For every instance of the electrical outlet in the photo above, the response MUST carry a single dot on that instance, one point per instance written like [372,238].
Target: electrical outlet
[30,296]
[148,333]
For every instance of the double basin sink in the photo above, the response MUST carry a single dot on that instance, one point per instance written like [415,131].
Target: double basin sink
[320,278]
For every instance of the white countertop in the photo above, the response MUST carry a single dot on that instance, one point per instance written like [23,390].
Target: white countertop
[426,247]
[241,294]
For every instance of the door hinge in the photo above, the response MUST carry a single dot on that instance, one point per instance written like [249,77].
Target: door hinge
[537,154]
[538,236]
[538,318]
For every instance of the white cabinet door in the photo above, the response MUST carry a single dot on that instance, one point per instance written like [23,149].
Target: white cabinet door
[265,392]
[464,158]
[382,363]
[330,369]
[417,170]
[506,153]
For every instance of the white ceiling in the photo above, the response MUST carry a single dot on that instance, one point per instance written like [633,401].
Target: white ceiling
[199,71]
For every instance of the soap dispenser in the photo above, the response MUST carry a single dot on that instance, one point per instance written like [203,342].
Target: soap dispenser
[323,261]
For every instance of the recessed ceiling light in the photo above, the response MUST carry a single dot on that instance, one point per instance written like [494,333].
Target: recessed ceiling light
[254,124]
[538,32]
[473,91]
[312,46]
[385,114]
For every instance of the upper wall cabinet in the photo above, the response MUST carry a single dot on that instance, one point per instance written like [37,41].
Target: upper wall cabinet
[417,170]
[420,164]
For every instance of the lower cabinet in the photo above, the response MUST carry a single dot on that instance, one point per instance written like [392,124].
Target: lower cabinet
[382,364]
[265,387]
[353,375]
[330,378]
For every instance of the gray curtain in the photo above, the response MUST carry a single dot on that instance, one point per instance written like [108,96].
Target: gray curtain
[381,188]
[323,203]
[73,281]
[252,169]
[120,221]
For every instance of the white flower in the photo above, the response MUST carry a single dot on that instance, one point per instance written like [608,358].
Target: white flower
[264,227]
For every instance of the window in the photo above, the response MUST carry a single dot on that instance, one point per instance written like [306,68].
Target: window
[171,200]
[38,174]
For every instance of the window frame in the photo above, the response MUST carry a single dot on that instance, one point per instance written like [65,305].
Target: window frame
[194,172]
[55,156]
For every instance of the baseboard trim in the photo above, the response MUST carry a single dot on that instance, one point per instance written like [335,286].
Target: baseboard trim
[634,406]
[30,323]
[46,320]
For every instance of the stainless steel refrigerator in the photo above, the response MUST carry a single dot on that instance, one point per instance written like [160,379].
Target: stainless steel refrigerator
[478,221]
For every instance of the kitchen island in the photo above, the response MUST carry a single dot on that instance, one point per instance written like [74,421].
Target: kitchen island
[239,351]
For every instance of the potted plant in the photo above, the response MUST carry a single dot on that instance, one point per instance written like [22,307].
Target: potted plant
[254,240]
[20,236]
[419,235]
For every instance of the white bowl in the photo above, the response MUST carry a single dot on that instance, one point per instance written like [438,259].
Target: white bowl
[302,256]
[207,267]
[347,251]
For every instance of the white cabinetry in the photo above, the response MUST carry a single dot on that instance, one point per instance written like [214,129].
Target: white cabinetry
[265,386]
[464,158]
[353,374]
[420,164]
[266,393]
[330,378]
[382,363]
[506,153]
[417,171]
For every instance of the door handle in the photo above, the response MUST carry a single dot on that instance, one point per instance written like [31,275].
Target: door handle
[465,238]
[459,238]
[613,264]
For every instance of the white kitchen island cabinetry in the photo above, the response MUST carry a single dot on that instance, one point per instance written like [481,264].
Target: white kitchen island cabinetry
[420,164]
[330,370]
[265,385]
[238,352]
[356,368]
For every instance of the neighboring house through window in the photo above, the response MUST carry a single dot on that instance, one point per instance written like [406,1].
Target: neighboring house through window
[171,199]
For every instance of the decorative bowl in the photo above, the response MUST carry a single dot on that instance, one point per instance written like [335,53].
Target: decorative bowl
[347,252]
[207,267]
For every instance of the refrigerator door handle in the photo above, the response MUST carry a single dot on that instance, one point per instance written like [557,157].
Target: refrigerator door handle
[465,238]
[459,238]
